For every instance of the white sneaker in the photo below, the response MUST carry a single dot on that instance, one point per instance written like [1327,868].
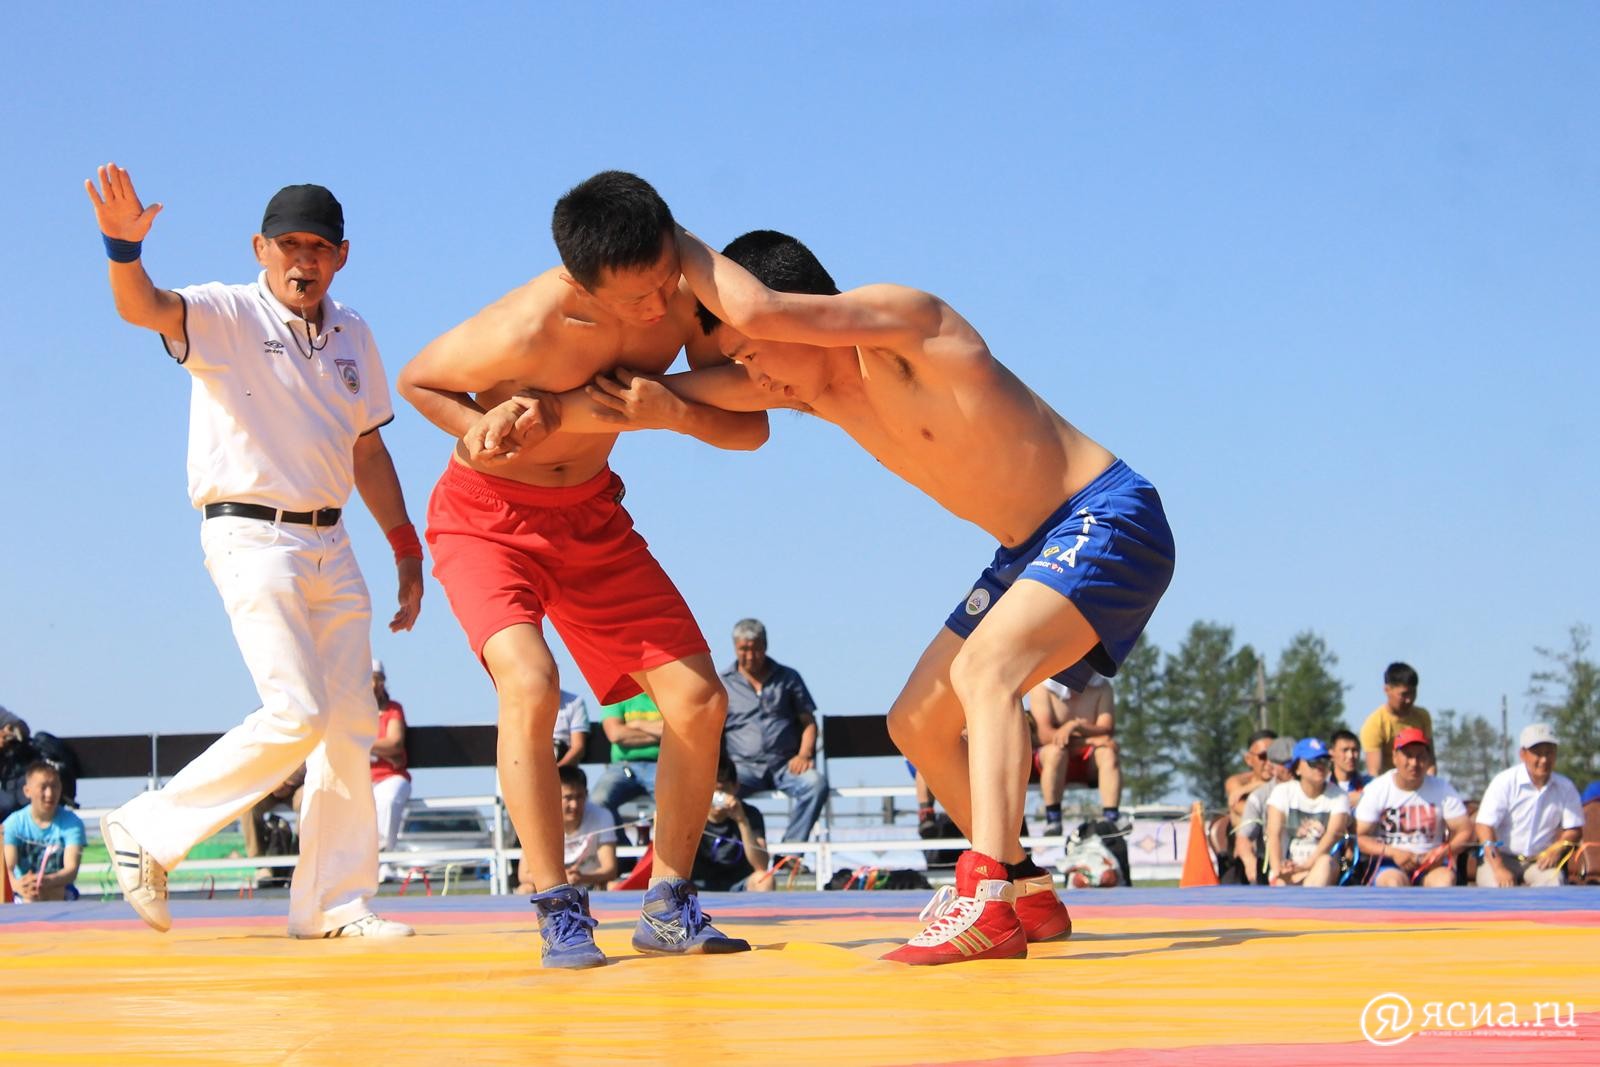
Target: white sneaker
[142,880]
[369,925]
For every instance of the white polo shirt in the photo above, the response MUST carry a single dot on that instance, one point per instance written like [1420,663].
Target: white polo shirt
[1526,819]
[273,420]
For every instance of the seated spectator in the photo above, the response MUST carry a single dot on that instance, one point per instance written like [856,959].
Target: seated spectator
[17,754]
[732,855]
[1530,818]
[1305,819]
[1249,837]
[1237,789]
[391,780]
[1345,749]
[1399,711]
[1405,815]
[43,841]
[591,837]
[274,839]
[572,729]
[771,732]
[927,810]
[633,727]
[1077,745]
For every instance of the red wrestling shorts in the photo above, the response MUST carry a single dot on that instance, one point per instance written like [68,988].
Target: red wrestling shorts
[507,552]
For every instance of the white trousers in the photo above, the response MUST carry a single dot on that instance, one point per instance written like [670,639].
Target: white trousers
[390,796]
[301,617]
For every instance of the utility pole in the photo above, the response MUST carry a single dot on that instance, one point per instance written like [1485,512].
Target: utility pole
[1260,701]
[1505,734]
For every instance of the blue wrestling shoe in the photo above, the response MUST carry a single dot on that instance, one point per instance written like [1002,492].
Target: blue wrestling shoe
[672,924]
[567,929]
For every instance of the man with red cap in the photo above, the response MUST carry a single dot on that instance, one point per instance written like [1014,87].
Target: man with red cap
[1413,822]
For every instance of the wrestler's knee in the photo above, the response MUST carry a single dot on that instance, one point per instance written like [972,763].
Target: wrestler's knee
[979,681]
[695,706]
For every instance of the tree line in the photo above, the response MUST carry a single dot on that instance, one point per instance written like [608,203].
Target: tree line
[1183,716]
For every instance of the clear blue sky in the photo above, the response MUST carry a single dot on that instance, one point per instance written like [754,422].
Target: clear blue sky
[1326,275]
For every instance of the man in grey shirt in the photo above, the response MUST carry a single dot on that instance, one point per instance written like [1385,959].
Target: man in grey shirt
[771,732]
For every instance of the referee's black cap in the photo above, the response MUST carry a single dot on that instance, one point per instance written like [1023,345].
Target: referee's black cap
[304,209]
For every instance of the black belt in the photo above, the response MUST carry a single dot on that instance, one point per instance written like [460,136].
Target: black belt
[323,517]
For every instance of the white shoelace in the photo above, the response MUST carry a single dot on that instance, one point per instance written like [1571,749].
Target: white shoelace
[941,903]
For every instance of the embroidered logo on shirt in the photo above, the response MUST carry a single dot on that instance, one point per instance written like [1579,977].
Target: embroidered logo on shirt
[977,601]
[348,372]
[273,348]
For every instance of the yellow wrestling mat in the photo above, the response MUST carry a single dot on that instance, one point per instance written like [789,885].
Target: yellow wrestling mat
[1196,976]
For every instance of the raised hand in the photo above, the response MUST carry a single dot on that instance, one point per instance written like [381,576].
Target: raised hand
[116,206]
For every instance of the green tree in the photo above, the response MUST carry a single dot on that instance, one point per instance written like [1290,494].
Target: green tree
[1205,685]
[1308,701]
[1566,694]
[1468,750]
[1145,736]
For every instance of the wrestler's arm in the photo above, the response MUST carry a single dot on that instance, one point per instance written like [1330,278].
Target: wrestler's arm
[597,408]
[889,316]
[624,400]
[487,350]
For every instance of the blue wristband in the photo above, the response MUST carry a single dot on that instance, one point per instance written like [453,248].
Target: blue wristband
[121,251]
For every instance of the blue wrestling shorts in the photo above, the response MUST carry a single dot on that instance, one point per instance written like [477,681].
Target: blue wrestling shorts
[1108,550]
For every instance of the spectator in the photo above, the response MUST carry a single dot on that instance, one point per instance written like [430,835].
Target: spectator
[1237,788]
[733,849]
[634,728]
[1399,711]
[1404,815]
[927,809]
[1530,818]
[1305,818]
[268,835]
[17,754]
[1249,838]
[591,838]
[1346,753]
[1077,745]
[572,730]
[771,732]
[391,780]
[43,841]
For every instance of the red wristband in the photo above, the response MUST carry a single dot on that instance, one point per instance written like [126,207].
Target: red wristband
[403,539]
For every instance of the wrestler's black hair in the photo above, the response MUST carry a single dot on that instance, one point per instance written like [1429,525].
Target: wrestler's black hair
[1402,674]
[779,262]
[614,220]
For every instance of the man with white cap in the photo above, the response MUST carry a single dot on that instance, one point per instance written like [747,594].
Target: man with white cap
[1530,818]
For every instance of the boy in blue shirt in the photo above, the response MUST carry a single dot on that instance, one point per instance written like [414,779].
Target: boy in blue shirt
[44,841]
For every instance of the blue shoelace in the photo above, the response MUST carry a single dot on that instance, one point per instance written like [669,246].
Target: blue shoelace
[567,925]
[690,916]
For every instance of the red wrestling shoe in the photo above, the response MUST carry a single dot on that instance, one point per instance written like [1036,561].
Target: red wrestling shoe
[979,922]
[1039,909]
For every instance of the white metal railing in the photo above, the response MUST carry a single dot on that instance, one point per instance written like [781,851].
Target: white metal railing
[822,854]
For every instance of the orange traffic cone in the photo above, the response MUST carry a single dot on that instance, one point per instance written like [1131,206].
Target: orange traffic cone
[1198,866]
